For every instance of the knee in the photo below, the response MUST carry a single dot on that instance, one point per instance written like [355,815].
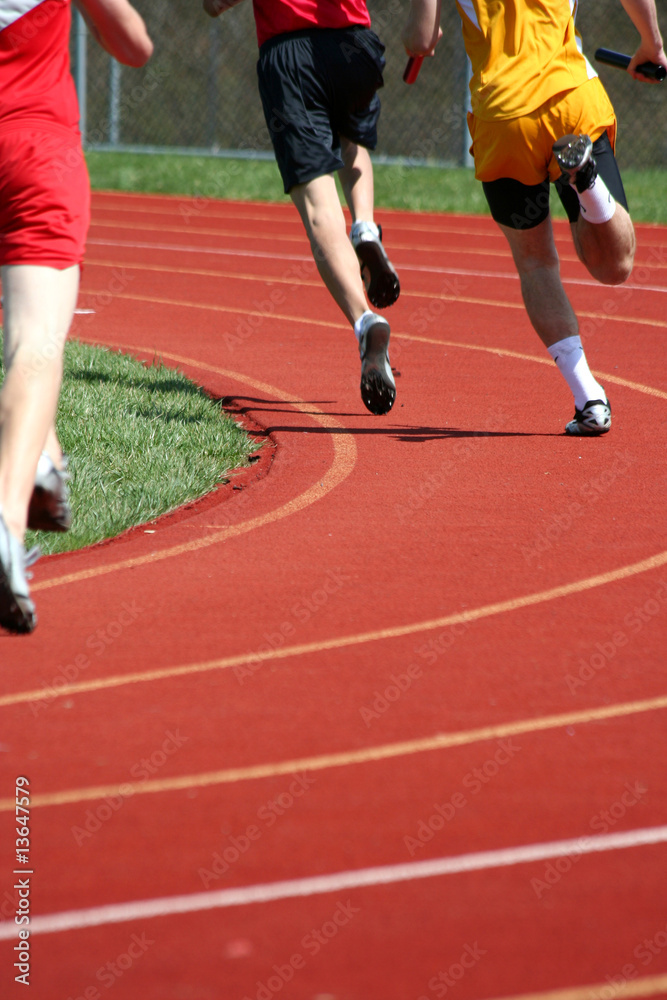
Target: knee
[36,358]
[615,272]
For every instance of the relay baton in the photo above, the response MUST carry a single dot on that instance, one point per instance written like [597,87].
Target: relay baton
[412,69]
[652,70]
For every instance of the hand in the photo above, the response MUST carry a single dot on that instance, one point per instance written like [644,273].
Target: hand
[414,42]
[646,53]
[216,7]
[422,30]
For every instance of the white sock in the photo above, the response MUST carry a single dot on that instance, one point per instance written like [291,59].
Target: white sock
[360,322]
[361,226]
[45,464]
[571,360]
[597,204]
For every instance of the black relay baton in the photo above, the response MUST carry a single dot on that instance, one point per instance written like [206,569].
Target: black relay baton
[653,70]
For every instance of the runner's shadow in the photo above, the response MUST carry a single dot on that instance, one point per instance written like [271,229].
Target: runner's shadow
[408,434]
[400,432]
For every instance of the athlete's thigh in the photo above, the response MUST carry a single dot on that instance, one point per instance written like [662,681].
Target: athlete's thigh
[38,305]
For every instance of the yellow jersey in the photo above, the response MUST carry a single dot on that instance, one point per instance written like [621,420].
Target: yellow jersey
[523,52]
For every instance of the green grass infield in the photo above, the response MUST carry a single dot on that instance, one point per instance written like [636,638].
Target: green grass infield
[142,440]
[413,188]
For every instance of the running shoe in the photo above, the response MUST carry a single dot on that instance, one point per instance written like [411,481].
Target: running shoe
[594,419]
[574,155]
[49,508]
[378,389]
[377,273]
[17,612]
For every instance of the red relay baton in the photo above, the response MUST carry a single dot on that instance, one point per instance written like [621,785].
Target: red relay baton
[412,69]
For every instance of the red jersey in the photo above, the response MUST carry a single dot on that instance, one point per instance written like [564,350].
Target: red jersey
[276,17]
[36,85]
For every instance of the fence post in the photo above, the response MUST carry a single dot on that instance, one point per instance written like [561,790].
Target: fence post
[81,73]
[114,102]
[467,158]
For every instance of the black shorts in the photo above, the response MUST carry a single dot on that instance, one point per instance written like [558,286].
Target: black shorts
[317,85]
[522,206]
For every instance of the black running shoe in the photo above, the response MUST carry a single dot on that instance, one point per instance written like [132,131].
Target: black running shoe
[17,612]
[49,508]
[594,419]
[379,277]
[378,389]
[574,155]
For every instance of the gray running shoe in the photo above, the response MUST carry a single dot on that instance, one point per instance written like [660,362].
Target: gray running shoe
[378,389]
[49,508]
[574,155]
[378,275]
[593,420]
[17,612]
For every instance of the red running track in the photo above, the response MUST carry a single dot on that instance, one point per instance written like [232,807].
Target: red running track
[420,656]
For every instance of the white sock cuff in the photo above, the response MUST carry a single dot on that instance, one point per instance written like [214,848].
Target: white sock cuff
[362,226]
[597,204]
[45,464]
[565,346]
[360,322]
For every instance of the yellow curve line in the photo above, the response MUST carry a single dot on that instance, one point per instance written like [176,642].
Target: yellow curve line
[649,986]
[360,638]
[397,335]
[442,741]
[637,386]
[345,452]
[196,231]
[207,273]
[465,299]
[301,238]
[290,218]
[316,283]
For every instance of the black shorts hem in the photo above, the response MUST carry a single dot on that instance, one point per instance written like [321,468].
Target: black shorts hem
[318,85]
[523,206]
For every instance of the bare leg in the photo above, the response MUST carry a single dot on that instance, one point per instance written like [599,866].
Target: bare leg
[53,449]
[554,320]
[322,215]
[356,179]
[607,249]
[38,308]
[536,260]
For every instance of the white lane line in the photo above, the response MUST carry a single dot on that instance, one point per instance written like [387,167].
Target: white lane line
[144,909]
[421,269]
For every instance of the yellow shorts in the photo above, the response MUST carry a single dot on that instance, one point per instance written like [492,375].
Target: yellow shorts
[521,147]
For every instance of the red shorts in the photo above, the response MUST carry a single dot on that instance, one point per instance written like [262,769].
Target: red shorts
[44,197]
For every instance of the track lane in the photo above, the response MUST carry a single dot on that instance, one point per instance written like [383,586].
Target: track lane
[503,664]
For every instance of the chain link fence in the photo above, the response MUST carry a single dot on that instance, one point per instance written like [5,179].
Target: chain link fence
[198,94]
